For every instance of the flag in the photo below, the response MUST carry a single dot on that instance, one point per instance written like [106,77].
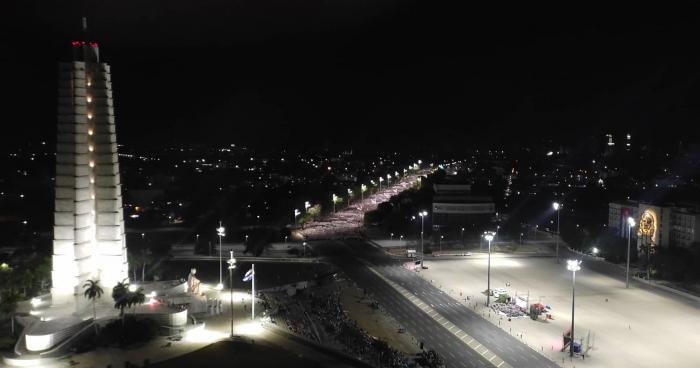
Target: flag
[248,275]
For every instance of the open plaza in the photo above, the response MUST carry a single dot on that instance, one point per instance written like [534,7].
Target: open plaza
[620,327]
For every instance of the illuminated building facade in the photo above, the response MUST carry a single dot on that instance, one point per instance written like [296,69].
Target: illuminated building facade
[657,225]
[88,236]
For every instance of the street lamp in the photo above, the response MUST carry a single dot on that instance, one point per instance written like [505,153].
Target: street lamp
[363,189]
[489,237]
[556,207]
[630,225]
[335,200]
[462,236]
[521,238]
[422,215]
[307,204]
[349,195]
[391,236]
[231,265]
[221,232]
[296,214]
[285,238]
[573,266]
[380,182]
[304,245]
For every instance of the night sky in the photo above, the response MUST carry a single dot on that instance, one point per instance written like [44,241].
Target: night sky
[361,73]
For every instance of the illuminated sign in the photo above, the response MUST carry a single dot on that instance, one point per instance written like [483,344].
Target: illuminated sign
[647,225]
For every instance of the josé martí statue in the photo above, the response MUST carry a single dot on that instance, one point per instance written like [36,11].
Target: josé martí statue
[193,282]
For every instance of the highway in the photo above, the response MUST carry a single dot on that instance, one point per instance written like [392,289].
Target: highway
[353,256]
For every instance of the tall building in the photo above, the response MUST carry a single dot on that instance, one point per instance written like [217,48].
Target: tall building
[88,240]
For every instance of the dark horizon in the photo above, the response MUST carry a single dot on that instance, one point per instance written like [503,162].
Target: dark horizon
[406,76]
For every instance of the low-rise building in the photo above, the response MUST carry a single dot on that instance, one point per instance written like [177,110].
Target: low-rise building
[657,225]
[454,206]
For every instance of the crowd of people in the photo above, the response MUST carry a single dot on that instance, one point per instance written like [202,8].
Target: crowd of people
[324,310]
[508,309]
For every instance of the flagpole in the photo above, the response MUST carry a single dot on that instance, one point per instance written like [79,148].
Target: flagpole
[253,296]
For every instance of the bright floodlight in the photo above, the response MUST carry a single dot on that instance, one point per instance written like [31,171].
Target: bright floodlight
[556,206]
[631,222]
[423,213]
[133,287]
[221,231]
[36,302]
[573,265]
[219,286]
[488,237]
[595,250]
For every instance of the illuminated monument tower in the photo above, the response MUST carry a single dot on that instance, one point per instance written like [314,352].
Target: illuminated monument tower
[89,240]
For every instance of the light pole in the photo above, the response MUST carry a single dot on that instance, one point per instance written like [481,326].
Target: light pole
[285,238]
[556,207]
[489,237]
[442,237]
[630,225]
[380,182]
[335,200]
[304,244]
[221,231]
[296,214]
[391,236]
[462,236]
[307,204]
[363,189]
[422,215]
[349,196]
[231,265]
[573,266]
[521,238]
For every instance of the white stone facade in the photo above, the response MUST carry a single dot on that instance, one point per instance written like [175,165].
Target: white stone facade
[89,241]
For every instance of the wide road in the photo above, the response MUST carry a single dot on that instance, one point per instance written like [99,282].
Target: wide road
[350,257]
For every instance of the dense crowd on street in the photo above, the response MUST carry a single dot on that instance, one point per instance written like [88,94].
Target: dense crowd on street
[331,325]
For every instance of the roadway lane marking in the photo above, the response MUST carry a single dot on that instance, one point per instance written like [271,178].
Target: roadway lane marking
[437,318]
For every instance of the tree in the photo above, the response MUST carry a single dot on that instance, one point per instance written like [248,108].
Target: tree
[135,298]
[93,291]
[120,292]
[8,305]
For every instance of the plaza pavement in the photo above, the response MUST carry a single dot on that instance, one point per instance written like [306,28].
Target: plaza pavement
[628,327]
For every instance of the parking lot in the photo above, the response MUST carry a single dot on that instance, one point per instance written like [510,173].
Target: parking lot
[628,327]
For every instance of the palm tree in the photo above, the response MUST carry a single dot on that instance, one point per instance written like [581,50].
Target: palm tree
[120,293]
[93,291]
[136,298]
[8,305]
